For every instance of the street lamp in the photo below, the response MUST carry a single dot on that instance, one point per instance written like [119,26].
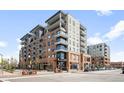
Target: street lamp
[29,62]
[122,67]
[1,64]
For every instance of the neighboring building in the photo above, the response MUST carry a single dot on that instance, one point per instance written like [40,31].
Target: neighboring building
[100,54]
[117,64]
[61,44]
[85,62]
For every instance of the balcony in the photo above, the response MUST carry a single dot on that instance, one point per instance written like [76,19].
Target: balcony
[23,43]
[63,29]
[82,39]
[62,59]
[53,18]
[61,49]
[62,42]
[83,33]
[83,44]
[61,34]
[62,21]
[56,23]
[83,50]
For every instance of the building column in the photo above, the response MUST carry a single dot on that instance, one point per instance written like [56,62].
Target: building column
[68,62]
[54,66]
[60,20]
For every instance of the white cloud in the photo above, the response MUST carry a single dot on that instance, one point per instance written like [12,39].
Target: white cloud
[103,12]
[94,39]
[120,53]
[19,46]
[18,40]
[116,31]
[3,44]
[117,56]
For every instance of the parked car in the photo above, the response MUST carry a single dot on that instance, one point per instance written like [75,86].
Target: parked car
[122,70]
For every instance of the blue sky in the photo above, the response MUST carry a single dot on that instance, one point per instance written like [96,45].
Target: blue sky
[102,26]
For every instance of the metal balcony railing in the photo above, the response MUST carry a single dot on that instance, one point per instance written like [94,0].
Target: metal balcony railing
[61,49]
[61,34]
[62,42]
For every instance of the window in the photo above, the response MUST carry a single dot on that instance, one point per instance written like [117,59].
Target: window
[61,55]
[70,41]
[49,49]
[41,40]
[52,56]
[73,23]
[77,50]
[74,49]
[52,49]
[70,20]
[105,55]
[49,56]
[33,58]
[77,45]
[52,35]
[52,43]
[88,59]
[48,43]
[40,46]
[61,47]
[40,57]
[29,46]
[33,53]
[100,50]
[73,43]
[48,36]
[31,40]
[35,33]
[58,32]
[39,51]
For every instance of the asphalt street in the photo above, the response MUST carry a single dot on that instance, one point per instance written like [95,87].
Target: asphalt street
[96,76]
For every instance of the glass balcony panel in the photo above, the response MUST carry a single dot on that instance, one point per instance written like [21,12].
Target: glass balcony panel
[61,34]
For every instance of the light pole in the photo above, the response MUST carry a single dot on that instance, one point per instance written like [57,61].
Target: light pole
[121,64]
[1,64]
[29,62]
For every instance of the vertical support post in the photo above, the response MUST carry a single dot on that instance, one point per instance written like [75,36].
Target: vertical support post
[60,19]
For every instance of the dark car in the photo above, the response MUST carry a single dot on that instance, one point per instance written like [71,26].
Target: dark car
[122,70]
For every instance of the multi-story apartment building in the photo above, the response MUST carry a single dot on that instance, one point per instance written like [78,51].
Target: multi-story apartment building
[100,54]
[61,44]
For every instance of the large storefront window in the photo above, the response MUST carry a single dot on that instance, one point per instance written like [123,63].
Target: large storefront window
[61,55]
[74,66]
[61,47]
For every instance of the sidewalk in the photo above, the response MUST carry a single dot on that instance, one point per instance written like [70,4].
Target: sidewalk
[7,74]
[18,74]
